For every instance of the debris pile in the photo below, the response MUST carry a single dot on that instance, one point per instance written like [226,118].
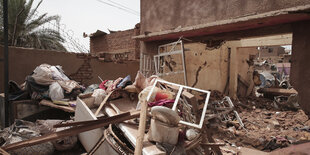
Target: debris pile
[48,85]
[266,128]
[172,119]
[154,116]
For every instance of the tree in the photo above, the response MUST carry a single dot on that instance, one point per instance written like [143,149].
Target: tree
[26,29]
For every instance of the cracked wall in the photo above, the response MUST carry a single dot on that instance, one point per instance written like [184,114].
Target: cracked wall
[208,69]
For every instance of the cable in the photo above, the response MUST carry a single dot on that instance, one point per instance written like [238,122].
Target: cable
[120,7]
[126,10]
[124,7]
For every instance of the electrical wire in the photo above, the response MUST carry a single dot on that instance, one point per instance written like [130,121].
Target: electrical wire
[119,7]
[124,7]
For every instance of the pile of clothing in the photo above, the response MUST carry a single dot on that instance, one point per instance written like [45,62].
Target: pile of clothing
[95,93]
[45,82]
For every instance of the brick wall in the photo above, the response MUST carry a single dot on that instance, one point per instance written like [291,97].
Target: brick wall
[83,68]
[119,42]
[84,72]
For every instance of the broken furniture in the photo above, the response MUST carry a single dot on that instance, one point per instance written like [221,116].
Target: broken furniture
[164,125]
[180,90]
[23,108]
[185,103]
[76,128]
[221,110]
[130,131]
[165,52]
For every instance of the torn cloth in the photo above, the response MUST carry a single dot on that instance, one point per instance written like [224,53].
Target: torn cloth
[110,85]
[163,102]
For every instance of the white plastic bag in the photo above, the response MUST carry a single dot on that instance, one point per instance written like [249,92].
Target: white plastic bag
[58,73]
[43,75]
[56,93]
[99,95]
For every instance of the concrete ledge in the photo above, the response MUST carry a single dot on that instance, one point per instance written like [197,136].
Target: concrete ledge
[283,16]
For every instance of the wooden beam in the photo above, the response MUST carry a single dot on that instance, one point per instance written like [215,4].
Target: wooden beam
[74,130]
[3,152]
[233,75]
[284,39]
[141,129]
[278,91]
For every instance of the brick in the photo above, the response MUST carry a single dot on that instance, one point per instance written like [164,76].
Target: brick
[117,42]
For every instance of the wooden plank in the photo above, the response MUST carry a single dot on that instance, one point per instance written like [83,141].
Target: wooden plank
[283,39]
[142,126]
[131,130]
[278,91]
[2,152]
[103,103]
[22,110]
[73,131]
[193,101]
[51,104]
[233,77]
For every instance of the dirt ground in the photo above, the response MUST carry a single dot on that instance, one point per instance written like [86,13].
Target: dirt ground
[266,127]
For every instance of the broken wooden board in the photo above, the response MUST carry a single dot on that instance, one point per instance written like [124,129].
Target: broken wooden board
[2,152]
[278,91]
[53,105]
[26,108]
[131,131]
[74,130]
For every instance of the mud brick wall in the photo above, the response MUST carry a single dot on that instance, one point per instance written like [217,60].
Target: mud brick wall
[83,68]
[84,73]
[117,42]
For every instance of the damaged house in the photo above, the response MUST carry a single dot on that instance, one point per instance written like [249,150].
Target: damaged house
[224,34]
[214,77]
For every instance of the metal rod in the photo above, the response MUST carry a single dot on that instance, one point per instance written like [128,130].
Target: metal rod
[174,108]
[169,53]
[6,64]
[184,63]
[181,87]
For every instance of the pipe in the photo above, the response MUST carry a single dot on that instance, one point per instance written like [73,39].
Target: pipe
[6,65]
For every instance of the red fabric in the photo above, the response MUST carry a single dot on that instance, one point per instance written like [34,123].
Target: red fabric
[161,96]
[163,102]
[102,85]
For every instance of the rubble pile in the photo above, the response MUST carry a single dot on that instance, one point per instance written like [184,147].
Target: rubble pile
[47,85]
[266,128]
[154,116]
